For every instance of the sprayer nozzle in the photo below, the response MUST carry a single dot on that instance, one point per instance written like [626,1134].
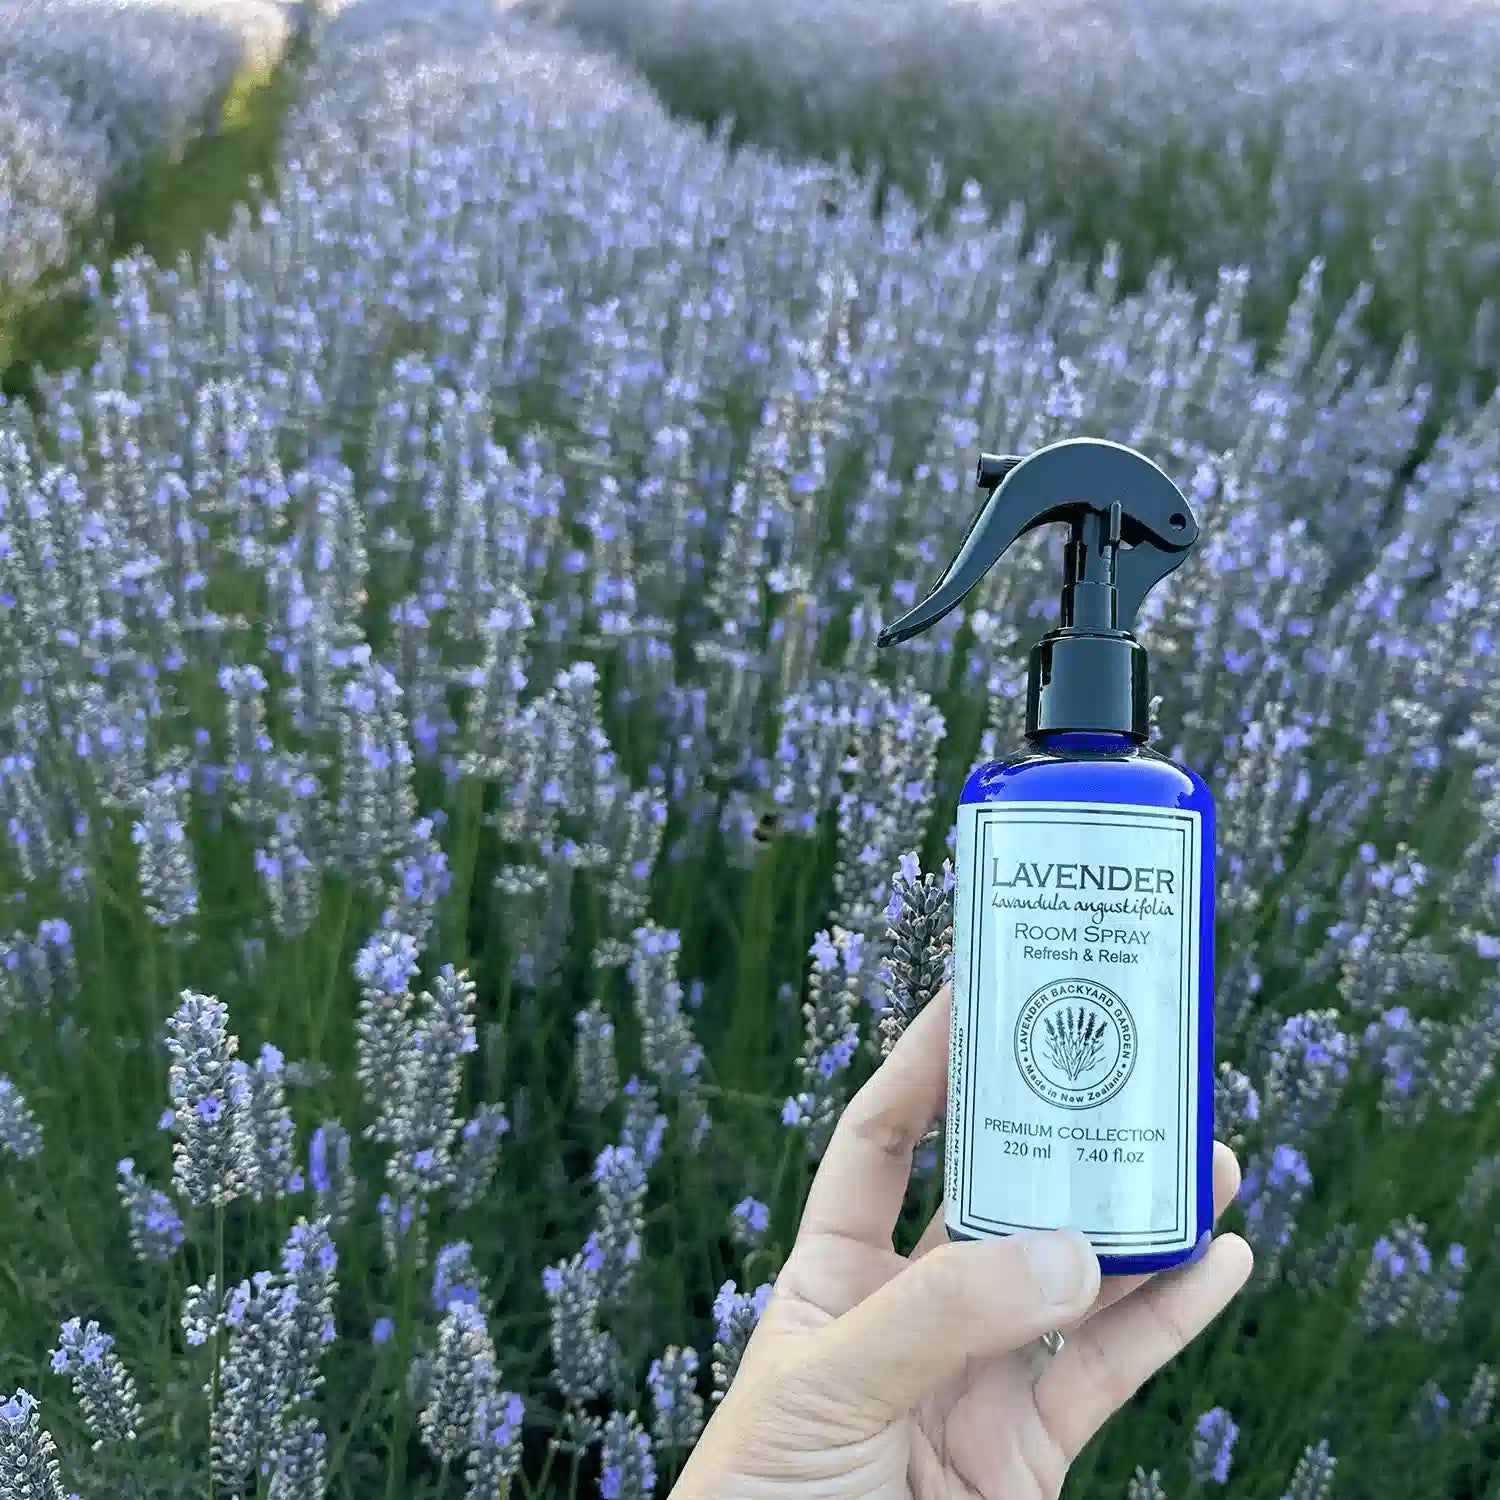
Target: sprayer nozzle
[992,469]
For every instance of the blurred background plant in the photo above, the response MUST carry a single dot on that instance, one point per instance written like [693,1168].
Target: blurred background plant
[1204,132]
[461,849]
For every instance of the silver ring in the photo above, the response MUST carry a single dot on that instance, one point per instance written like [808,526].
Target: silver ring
[1040,1352]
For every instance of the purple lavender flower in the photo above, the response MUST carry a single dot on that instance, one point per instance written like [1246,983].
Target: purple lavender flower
[1479,1400]
[920,918]
[384,968]
[1275,1185]
[419,1120]
[1308,1069]
[496,1455]
[676,1406]
[735,1315]
[28,1456]
[477,1154]
[1404,1286]
[1144,1486]
[831,1037]
[583,1354]
[627,1466]
[267,1124]
[212,1157]
[104,1387]
[461,1379]
[1236,1106]
[645,1125]
[749,1220]
[619,1219]
[1313,1477]
[155,1226]
[594,1058]
[1429,1412]
[328,1171]
[169,880]
[38,972]
[671,1053]
[455,1278]
[20,1134]
[1214,1436]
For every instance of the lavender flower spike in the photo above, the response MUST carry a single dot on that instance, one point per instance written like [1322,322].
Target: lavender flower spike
[212,1159]
[20,1134]
[619,1219]
[155,1226]
[1479,1401]
[1312,1479]
[583,1355]
[104,1387]
[267,1123]
[628,1469]
[496,1456]
[169,880]
[1213,1447]
[460,1376]
[677,1408]
[1144,1486]
[477,1154]
[28,1456]
[328,1171]
[920,915]
[384,968]
[831,1037]
[594,1054]
[735,1315]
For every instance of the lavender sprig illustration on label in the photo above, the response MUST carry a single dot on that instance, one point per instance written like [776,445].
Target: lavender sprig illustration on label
[1076,1041]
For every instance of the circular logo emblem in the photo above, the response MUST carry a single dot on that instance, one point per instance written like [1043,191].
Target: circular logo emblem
[1075,1043]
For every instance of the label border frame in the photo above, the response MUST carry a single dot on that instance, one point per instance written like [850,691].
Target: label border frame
[1188,824]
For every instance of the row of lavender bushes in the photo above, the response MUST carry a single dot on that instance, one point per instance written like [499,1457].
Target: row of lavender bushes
[91,88]
[1206,132]
[461,849]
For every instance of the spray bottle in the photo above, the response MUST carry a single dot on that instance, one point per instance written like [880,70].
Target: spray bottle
[1080,1090]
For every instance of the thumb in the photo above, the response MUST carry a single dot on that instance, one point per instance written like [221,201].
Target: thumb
[960,1302]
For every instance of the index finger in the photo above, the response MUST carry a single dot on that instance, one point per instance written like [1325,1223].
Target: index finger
[861,1183]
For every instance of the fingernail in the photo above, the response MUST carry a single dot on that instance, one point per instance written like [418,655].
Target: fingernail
[1060,1264]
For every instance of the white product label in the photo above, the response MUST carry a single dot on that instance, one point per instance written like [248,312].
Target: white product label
[1073,1079]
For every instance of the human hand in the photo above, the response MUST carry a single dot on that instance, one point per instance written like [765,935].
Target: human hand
[878,1376]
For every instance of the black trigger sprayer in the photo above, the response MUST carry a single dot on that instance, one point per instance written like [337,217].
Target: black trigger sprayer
[1129,526]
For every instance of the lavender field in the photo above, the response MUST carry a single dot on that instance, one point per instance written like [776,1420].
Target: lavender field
[461,849]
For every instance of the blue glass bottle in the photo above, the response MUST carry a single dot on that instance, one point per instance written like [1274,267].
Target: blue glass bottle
[1081,1057]
[1071,766]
